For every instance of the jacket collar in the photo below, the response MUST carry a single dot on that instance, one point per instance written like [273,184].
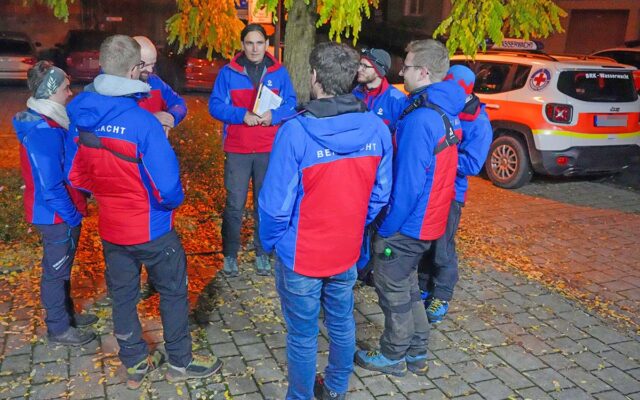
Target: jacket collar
[332,106]
[236,66]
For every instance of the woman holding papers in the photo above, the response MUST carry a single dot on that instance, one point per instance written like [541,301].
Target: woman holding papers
[251,96]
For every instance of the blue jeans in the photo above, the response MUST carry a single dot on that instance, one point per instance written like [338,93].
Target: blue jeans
[301,297]
[166,265]
[59,243]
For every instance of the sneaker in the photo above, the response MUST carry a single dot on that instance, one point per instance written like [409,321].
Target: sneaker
[437,310]
[72,337]
[230,267]
[199,367]
[417,364]
[376,361]
[137,373]
[83,320]
[321,392]
[263,267]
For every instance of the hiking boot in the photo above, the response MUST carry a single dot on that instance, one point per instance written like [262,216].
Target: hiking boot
[417,364]
[137,373]
[321,392]
[83,320]
[376,361]
[437,310]
[230,267]
[199,367]
[72,337]
[263,267]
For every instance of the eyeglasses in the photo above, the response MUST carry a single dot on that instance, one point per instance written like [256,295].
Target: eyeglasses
[139,65]
[406,67]
[364,66]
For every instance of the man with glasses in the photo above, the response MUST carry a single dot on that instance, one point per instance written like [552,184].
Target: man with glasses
[124,159]
[386,102]
[374,89]
[424,170]
[163,102]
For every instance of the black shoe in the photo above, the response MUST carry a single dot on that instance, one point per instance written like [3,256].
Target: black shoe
[72,337]
[83,320]
[322,393]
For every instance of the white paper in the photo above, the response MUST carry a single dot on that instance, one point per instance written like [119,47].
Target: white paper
[266,100]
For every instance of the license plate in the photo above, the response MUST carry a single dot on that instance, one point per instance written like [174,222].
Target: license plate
[611,120]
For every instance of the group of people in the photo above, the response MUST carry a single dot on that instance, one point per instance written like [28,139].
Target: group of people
[361,182]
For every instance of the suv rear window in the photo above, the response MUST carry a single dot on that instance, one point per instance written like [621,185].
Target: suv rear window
[598,86]
[13,46]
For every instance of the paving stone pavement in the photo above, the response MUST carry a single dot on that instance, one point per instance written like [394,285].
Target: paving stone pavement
[521,341]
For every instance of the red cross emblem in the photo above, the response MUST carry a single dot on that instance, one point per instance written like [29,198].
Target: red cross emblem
[540,79]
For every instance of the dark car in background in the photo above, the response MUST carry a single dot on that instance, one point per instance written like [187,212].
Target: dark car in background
[17,55]
[80,53]
[190,70]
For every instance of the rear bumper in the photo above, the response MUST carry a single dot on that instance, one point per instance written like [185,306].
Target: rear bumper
[590,160]
[13,75]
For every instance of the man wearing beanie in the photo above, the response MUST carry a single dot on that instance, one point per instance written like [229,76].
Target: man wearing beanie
[438,271]
[387,103]
[375,91]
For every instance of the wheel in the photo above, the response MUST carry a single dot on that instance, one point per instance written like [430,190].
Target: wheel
[508,163]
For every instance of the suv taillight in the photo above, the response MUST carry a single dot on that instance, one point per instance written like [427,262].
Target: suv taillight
[559,113]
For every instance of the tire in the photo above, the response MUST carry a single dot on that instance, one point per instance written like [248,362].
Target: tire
[508,164]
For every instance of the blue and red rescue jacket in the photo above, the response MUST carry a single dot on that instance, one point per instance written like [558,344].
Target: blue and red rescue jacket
[385,101]
[234,93]
[136,200]
[423,186]
[163,98]
[329,175]
[477,135]
[47,200]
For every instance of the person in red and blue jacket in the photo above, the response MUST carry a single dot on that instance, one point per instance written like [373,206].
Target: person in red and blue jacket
[119,152]
[374,89]
[424,170]
[247,137]
[438,272]
[54,209]
[387,103]
[163,102]
[329,176]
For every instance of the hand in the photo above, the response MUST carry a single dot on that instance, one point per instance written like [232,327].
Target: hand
[165,119]
[266,119]
[251,119]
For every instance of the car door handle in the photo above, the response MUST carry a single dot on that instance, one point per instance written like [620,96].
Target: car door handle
[493,106]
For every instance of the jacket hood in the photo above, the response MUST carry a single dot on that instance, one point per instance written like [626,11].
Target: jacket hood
[447,95]
[341,124]
[112,85]
[89,110]
[25,121]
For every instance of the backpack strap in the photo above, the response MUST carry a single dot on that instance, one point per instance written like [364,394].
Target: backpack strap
[93,141]
[450,137]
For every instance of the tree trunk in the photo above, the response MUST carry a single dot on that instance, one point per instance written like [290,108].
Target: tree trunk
[298,42]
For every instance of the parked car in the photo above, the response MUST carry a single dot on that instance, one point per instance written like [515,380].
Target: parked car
[625,55]
[80,54]
[562,115]
[17,55]
[190,70]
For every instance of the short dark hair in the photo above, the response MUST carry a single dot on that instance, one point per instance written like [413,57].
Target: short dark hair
[118,54]
[36,75]
[253,28]
[336,66]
